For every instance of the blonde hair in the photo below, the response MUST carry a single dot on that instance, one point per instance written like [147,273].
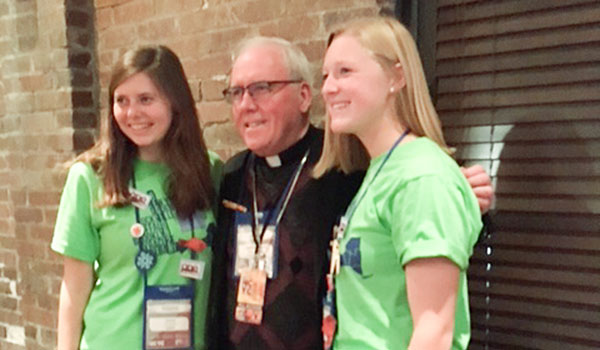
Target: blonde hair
[390,43]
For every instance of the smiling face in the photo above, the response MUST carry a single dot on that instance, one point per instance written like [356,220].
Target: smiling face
[356,89]
[143,114]
[276,122]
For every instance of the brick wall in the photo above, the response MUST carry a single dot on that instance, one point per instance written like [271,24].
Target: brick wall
[35,135]
[202,33]
[54,56]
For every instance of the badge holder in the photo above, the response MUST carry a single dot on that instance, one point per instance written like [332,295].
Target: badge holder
[329,325]
[168,310]
[256,249]
[251,296]
[168,317]
[245,246]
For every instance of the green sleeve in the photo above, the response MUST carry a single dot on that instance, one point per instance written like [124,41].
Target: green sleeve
[74,234]
[435,217]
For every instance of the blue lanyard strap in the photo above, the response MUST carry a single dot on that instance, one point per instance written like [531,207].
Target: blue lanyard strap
[354,204]
[281,203]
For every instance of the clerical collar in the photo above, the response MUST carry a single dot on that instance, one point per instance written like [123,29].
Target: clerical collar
[273,161]
[292,154]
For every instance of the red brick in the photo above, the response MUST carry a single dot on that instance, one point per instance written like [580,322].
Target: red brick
[190,46]
[257,11]
[28,215]
[297,28]
[5,288]
[5,210]
[223,139]
[48,302]
[106,3]
[177,6]
[214,112]
[117,36]
[43,198]
[8,258]
[133,12]
[10,274]
[314,51]
[226,39]
[48,337]
[212,90]
[158,29]
[208,67]
[30,332]
[5,225]
[22,103]
[214,17]
[332,18]
[40,233]
[8,303]
[105,18]
[50,214]
[38,315]
[18,197]
[11,346]
[35,82]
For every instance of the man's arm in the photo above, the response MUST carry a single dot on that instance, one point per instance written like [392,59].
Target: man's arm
[481,184]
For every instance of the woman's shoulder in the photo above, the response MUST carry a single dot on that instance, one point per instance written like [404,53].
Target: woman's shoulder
[423,157]
[82,169]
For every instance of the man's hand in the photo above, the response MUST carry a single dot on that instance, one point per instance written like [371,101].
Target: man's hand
[481,184]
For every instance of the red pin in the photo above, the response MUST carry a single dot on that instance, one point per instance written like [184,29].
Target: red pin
[137,230]
[193,244]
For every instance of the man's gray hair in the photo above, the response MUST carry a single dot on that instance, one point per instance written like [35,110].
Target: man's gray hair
[295,60]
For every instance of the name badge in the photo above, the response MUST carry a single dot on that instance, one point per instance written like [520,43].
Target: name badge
[139,199]
[245,249]
[191,268]
[168,317]
[251,296]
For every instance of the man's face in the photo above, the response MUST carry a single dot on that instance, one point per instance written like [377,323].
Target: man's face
[272,123]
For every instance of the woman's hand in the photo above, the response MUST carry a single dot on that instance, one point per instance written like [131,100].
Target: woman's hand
[481,184]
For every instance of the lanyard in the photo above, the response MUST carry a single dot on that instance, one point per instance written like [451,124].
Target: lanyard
[140,241]
[281,203]
[345,220]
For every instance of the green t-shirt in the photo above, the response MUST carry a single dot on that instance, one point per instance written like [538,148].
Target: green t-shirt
[101,236]
[419,206]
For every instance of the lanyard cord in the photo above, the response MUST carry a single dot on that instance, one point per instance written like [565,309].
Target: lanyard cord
[346,218]
[281,203]
[139,240]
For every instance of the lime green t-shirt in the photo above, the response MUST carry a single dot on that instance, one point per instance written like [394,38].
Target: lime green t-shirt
[101,236]
[419,206]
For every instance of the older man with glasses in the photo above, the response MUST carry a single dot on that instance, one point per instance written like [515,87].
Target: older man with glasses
[275,220]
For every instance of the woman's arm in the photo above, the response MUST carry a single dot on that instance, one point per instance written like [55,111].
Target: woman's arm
[432,287]
[78,278]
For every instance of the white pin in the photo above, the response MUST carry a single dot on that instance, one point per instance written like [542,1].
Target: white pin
[136,230]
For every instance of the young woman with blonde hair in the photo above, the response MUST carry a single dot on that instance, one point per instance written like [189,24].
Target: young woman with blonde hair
[400,253]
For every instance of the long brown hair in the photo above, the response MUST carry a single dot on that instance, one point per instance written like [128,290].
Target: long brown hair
[189,186]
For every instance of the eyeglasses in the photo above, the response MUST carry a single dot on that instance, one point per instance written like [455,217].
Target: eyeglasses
[258,91]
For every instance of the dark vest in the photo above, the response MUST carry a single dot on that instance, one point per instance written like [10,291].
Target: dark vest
[292,311]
